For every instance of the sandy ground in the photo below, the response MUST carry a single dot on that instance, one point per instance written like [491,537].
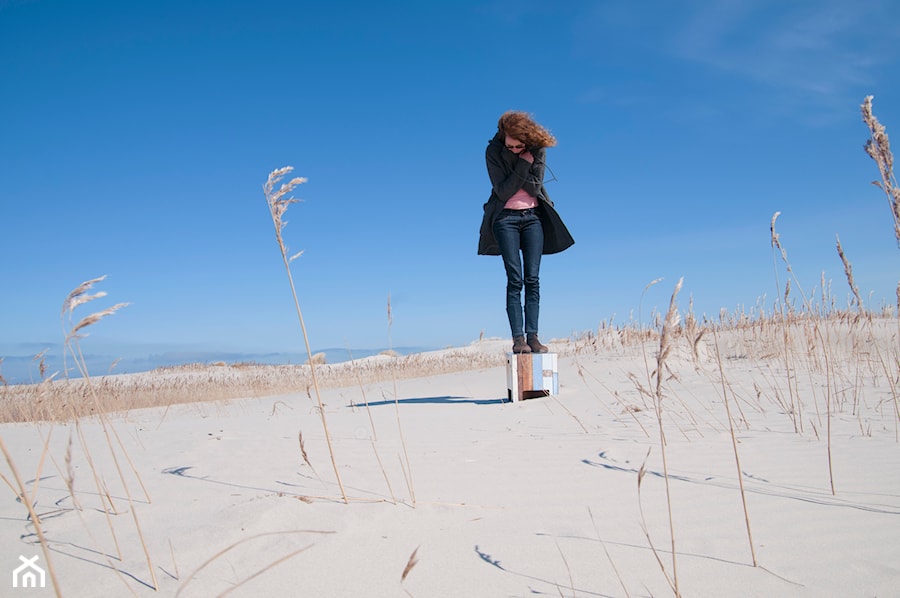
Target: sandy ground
[555,496]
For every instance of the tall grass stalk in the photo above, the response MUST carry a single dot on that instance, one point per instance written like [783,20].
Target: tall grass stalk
[878,147]
[817,332]
[407,471]
[69,480]
[568,570]
[108,507]
[641,324]
[737,457]
[76,298]
[374,438]
[278,204]
[362,390]
[796,406]
[848,272]
[608,557]
[226,550]
[22,494]
[640,478]
[867,322]
[665,347]
[40,468]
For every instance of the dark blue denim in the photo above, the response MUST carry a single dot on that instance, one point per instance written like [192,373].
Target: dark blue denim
[521,239]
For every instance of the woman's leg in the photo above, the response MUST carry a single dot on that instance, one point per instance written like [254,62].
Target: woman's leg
[532,244]
[506,231]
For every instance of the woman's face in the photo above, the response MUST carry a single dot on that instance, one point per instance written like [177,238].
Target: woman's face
[514,145]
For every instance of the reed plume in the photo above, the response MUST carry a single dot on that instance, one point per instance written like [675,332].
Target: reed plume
[848,271]
[77,297]
[665,347]
[278,203]
[878,146]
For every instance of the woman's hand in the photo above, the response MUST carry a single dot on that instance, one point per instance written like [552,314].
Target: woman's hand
[526,155]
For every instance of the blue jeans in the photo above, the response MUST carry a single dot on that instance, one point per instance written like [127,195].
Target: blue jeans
[521,239]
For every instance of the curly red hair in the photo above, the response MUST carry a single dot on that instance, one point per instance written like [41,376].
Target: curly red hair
[520,125]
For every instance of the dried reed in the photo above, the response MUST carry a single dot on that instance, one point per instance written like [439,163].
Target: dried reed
[640,478]
[608,557]
[665,347]
[304,455]
[878,146]
[278,204]
[568,571]
[796,405]
[76,298]
[22,495]
[410,564]
[374,438]
[231,547]
[848,272]
[407,470]
[737,458]
[62,400]
[818,336]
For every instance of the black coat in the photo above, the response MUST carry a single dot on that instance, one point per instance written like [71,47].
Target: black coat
[508,174]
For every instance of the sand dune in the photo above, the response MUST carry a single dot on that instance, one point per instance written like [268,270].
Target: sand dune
[556,496]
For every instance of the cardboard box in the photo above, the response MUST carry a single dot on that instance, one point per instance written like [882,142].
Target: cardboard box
[531,375]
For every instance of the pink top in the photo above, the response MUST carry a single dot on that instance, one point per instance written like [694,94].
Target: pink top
[521,200]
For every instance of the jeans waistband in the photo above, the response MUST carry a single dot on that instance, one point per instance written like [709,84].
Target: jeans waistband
[525,212]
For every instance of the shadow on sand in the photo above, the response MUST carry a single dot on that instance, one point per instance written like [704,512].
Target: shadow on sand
[436,401]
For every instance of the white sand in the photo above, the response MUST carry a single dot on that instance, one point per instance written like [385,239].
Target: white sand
[504,492]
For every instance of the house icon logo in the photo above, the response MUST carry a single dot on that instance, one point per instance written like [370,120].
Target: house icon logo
[28,575]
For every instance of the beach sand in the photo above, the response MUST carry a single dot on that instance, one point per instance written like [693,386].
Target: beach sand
[554,496]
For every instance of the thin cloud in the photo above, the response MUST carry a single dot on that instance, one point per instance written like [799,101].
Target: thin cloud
[820,48]
[807,59]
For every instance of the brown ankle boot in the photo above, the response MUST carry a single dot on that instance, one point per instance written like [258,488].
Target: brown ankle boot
[535,345]
[520,346]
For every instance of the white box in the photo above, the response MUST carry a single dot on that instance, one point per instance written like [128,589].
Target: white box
[530,375]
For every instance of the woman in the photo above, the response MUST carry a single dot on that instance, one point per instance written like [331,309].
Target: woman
[519,222]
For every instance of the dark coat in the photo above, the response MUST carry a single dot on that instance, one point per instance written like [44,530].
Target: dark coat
[508,174]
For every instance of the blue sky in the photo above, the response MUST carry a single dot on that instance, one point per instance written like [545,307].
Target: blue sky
[135,139]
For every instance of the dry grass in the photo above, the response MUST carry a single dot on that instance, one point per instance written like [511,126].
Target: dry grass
[225,551]
[665,348]
[278,202]
[878,147]
[74,332]
[63,400]
[405,465]
[758,337]
[861,347]
[734,445]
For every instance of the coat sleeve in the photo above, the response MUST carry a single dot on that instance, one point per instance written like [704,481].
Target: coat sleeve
[535,177]
[505,181]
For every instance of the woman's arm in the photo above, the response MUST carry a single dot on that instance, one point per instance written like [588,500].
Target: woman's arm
[505,181]
[535,178]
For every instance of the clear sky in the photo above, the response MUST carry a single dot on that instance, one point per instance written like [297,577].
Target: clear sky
[135,138]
